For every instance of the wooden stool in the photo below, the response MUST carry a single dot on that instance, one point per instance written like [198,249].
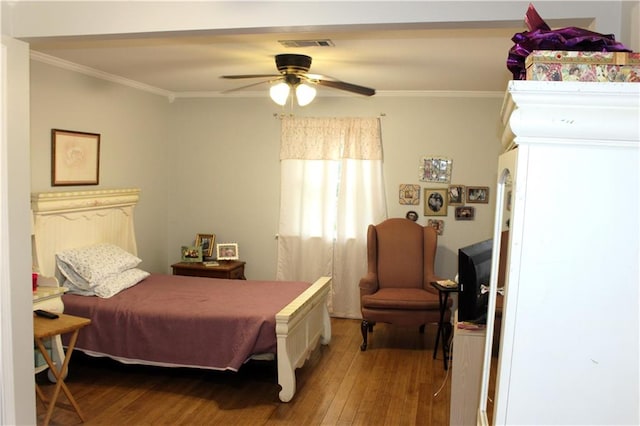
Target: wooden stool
[44,328]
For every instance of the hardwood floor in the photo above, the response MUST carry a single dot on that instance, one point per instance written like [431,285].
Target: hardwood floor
[394,382]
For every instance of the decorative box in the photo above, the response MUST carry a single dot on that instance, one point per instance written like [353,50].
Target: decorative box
[561,65]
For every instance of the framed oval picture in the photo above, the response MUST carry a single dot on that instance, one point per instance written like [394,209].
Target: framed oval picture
[435,201]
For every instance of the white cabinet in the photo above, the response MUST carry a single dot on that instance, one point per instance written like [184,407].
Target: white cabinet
[466,376]
[570,326]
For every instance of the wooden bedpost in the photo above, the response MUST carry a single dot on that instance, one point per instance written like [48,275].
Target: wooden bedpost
[300,326]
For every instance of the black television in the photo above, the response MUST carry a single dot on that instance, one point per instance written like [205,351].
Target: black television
[474,270]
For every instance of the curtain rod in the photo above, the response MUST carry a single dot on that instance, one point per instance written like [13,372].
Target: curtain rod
[281,115]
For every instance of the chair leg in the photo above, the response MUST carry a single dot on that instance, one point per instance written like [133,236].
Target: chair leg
[366,327]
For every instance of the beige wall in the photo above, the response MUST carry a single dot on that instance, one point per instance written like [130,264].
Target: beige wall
[212,165]
[134,139]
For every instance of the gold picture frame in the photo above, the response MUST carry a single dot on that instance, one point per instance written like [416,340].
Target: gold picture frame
[227,251]
[75,158]
[478,194]
[435,201]
[207,242]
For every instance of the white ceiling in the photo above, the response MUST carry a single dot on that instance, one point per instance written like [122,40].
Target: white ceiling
[463,56]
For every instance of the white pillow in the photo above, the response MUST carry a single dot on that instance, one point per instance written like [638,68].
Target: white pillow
[76,290]
[85,267]
[112,285]
[116,283]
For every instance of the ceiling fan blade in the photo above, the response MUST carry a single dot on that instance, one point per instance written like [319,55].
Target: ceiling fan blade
[235,77]
[247,86]
[341,85]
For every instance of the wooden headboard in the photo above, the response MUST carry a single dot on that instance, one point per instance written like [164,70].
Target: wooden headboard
[65,220]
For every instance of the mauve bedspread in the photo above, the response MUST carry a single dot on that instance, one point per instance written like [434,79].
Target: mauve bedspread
[188,321]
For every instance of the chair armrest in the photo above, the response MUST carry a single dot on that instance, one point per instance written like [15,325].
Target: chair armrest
[368,284]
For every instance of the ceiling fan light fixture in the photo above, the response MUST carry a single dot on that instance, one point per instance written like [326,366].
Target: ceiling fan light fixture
[305,94]
[279,93]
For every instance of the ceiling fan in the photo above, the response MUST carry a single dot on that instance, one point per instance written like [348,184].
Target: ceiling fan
[293,69]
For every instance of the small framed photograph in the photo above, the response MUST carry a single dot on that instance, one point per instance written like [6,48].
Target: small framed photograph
[438,224]
[410,194]
[465,213]
[191,253]
[207,242]
[227,251]
[435,201]
[435,169]
[456,195]
[478,194]
[75,158]
[412,215]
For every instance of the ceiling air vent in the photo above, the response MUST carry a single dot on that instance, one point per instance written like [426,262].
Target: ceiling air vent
[306,43]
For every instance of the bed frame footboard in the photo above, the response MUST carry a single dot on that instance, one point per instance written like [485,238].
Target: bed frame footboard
[299,327]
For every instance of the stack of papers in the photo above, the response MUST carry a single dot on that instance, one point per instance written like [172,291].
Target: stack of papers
[447,283]
[464,325]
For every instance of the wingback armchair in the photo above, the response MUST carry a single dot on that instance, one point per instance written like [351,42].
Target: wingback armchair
[396,288]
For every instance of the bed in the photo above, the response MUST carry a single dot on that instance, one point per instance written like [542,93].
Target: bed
[69,220]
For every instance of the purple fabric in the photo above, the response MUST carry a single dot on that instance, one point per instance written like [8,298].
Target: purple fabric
[541,37]
[190,321]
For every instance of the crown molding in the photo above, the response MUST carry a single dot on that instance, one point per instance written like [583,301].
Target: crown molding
[171,96]
[71,66]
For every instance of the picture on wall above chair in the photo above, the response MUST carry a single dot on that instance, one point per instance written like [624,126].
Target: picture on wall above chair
[435,201]
[456,195]
[465,213]
[478,194]
[437,224]
[435,169]
[410,194]
[412,215]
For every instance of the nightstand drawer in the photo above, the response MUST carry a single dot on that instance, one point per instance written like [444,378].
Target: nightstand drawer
[237,274]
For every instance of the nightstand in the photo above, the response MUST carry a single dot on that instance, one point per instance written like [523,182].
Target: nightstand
[227,269]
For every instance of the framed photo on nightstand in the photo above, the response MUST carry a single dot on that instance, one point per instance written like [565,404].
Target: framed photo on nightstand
[191,253]
[207,242]
[227,251]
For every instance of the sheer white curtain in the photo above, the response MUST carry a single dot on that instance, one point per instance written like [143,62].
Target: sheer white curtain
[331,189]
